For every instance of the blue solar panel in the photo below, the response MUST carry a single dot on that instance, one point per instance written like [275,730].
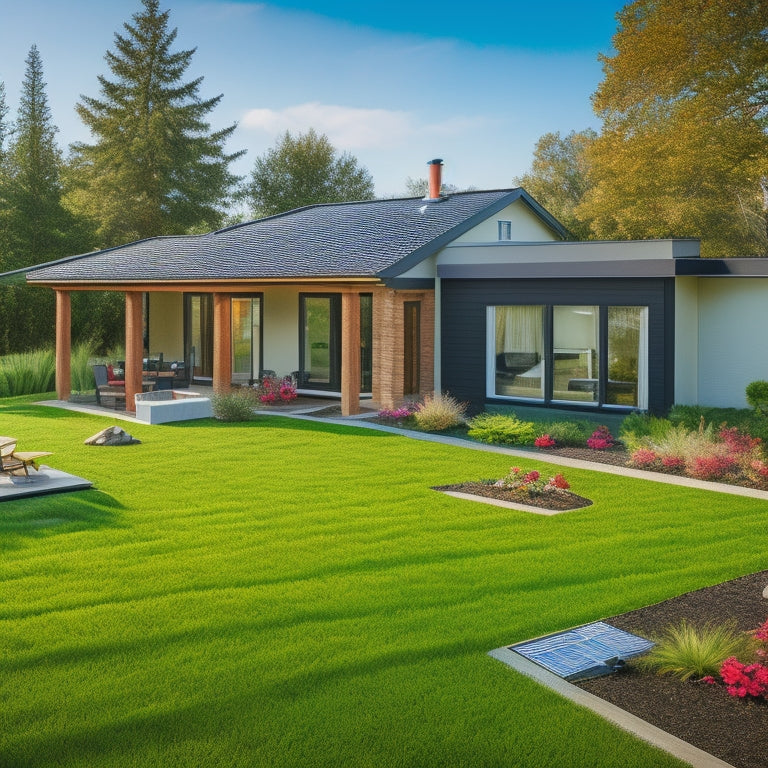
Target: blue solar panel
[588,651]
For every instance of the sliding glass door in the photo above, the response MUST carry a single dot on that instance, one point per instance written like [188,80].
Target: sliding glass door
[320,342]
[198,336]
[246,339]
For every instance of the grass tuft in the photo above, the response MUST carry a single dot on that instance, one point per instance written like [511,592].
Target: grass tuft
[687,651]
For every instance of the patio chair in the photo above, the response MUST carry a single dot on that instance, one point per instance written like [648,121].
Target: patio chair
[12,462]
[105,388]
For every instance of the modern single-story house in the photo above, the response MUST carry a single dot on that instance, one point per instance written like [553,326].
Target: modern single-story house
[475,293]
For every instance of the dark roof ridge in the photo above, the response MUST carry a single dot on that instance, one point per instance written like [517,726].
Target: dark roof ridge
[292,211]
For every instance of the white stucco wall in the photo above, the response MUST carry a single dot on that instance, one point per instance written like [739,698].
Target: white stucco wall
[687,340]
[733,343]
[281,330]
[166,325]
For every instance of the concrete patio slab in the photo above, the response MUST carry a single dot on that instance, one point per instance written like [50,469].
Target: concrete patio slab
[43,481]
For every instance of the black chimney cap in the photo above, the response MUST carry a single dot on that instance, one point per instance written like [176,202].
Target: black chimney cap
[438,161]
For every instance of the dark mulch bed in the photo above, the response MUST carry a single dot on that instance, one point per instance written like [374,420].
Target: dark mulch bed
[560,500]
[732,729]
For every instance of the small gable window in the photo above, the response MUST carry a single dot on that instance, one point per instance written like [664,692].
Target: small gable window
[505,230]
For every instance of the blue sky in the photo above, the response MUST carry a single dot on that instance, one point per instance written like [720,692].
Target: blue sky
[394,83]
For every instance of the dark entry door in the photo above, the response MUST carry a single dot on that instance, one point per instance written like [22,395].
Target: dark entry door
[412,348]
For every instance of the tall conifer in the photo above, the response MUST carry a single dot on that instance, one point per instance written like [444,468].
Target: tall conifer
[155,166]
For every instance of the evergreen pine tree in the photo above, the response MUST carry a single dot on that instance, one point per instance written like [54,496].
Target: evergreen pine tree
[38,226]
[155,167]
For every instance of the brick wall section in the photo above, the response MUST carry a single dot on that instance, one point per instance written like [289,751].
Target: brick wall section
[388,344]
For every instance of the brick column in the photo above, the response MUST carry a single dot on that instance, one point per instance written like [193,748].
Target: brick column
[427,330]
[63,345]
[222,342]
[350,354]
[387,348]
[134,347]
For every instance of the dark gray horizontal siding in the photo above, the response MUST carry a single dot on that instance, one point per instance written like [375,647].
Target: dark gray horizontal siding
[463,319]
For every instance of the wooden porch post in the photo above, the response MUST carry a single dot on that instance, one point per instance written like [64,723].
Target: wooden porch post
[63,345]
[222,342]
[350,354]
[134,347]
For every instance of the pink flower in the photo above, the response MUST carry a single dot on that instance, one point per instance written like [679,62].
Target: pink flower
[532,476]
[709,680]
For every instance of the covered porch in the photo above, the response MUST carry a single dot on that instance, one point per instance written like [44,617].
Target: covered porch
[341,339]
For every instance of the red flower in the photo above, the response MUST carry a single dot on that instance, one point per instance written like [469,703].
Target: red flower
[532,476]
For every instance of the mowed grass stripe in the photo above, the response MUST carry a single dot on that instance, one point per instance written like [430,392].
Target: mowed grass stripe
[291,593]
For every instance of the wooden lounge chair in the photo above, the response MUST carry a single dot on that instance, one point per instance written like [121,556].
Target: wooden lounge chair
[106,389]
[13,462]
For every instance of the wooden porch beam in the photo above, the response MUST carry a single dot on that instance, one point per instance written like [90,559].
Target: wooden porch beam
[350,354]
[222,342]
[134,347]
[63,345]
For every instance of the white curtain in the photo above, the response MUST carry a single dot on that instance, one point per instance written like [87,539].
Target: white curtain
[519,329]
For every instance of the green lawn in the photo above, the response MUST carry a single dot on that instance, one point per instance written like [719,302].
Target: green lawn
[286,593]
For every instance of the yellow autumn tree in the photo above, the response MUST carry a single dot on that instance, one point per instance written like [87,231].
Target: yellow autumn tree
[684,147]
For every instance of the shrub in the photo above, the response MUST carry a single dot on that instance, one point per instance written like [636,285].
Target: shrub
[235,405]
[710,467]
[639,428]
[273,389]
[642,457]
[567,432]
[601,439]
[438,412]
[544,441]
[500,428]
[687,651]
[744,679]
[757,396]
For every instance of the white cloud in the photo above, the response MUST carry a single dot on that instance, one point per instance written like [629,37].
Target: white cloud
[353,127]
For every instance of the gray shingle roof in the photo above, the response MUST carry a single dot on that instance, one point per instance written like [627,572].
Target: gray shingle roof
[366,239]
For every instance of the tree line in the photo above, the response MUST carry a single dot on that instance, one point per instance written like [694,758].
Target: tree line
[154,167]
[683,151]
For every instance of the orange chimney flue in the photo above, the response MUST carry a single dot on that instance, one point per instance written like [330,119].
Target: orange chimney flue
[435,178]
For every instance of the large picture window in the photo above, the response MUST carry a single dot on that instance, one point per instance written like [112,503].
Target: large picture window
[576,354]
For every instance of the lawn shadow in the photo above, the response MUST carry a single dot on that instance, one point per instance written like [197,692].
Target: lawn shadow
[54,514]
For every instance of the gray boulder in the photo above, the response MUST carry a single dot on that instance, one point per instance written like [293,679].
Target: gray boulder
[112,436]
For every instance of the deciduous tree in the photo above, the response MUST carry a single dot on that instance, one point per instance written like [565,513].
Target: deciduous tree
[559,177]
[155,167]
[684,145]
[304,170]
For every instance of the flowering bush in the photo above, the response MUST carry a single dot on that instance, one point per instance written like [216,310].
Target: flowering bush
[744,679]
[531,483]
[544,441]
[673,462]
[273,388]
[642,457]
[601,439]
[738,442]
[710,467]
[405,411]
